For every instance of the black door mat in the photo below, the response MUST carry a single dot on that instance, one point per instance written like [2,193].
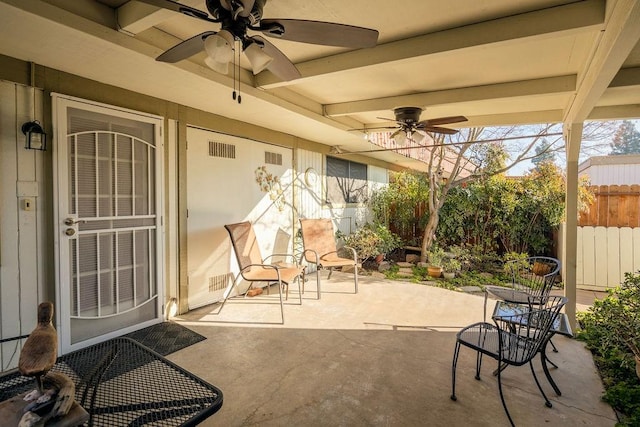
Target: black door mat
[166,337]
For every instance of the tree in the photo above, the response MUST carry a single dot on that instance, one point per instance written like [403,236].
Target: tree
[499,150]
[543,154]
[467,161]
[626,140]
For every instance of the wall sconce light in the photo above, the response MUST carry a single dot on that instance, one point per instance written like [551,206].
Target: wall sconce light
[35,139]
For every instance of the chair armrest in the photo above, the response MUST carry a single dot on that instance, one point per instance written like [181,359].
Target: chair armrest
[292,256]
[355,254]
[275,267]
[315,254]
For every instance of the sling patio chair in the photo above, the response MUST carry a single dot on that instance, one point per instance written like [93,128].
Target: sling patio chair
[254,268]
[512,340]
[320,248]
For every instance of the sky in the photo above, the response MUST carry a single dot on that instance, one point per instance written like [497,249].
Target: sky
[588,149]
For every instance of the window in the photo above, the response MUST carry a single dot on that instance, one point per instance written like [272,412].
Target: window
[346,181]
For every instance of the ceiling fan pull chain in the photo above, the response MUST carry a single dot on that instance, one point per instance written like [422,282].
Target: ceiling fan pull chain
[234,94]
[239,83]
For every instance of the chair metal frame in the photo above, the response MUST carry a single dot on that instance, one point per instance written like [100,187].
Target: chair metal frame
[511,340]
[530,283]
[323,252]
[247,251]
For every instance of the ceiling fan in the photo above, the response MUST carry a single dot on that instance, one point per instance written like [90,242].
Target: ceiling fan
[236,17]
[411,128]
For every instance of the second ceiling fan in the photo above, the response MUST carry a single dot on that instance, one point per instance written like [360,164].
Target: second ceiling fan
[410,128]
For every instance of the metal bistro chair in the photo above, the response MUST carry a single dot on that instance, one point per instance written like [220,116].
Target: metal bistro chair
[531,281]
[511,340]
[318,239]
[253,267]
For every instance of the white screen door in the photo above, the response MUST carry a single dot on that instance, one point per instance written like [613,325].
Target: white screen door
[108,222]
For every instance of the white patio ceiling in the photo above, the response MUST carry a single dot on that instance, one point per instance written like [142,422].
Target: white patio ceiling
[494,61]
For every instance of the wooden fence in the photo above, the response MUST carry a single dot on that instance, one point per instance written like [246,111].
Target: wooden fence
[614,206]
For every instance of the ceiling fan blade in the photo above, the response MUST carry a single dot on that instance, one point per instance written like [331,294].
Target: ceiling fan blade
[317,32]
[180,8]
[443,120]
[375,128]
[437,129]
[387,120]
[281,66]
[186,48]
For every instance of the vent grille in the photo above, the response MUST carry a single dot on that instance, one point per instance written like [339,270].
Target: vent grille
[273,158]
[220,149]
[218,283]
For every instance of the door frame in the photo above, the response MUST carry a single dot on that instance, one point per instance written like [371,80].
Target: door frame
[60,103]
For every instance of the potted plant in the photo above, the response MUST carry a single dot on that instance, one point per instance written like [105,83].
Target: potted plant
[389,241]
[450,266]
[436,257]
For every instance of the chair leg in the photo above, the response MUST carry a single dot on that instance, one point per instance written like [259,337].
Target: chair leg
[454,363]
[300,287]
[226,295]
[535,377]
[478,365]
[281,302]
[355,275]
[330,271]
[504,404]
[484,311]
[555,350]
[543,361]
[318,281]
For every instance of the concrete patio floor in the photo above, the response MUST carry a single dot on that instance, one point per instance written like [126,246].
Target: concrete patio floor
[381,357]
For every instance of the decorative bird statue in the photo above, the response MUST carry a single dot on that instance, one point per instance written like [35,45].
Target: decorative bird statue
[40,352]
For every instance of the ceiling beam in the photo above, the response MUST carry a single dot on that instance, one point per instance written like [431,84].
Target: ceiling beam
[626,77]
[550,85]
[134,17]
[620,35]
[570,18]
[509,119]
[615,112]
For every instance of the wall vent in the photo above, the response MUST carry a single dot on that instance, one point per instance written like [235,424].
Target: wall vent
[273,158]
[218,283]
[220,149]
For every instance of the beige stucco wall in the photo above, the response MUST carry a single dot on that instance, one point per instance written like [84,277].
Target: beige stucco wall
[177,117]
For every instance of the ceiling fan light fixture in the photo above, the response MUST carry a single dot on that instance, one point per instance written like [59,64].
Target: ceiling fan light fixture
[218,67]
[400,138]
[418,137]
[257,57]
[219,48]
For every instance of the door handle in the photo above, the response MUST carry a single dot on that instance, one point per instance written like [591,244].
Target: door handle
[70,221]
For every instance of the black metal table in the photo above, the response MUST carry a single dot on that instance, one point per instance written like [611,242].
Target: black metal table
[120,382]
[560,326]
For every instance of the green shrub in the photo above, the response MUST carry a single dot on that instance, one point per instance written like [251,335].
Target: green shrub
[611,330]
[371,240]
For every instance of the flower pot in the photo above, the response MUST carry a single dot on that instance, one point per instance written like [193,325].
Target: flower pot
[434,271]
[638,366]
[379,258]
[448,274]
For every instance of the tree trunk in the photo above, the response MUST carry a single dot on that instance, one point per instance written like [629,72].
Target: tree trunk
[429,234]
